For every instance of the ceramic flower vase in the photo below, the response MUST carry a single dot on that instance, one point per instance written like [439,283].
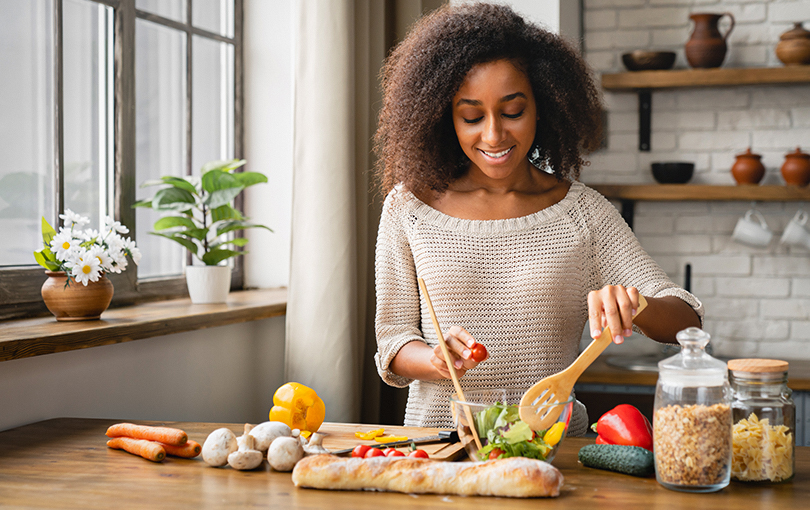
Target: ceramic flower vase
[208,284]
[76,302]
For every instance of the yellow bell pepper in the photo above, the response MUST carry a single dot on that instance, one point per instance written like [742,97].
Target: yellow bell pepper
[554,434]
[390,439]
[371,434]
[298,406]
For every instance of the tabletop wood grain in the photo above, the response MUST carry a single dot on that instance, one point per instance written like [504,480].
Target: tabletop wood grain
[64,463]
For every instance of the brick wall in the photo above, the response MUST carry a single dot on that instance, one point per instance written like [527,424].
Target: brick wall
[757,300]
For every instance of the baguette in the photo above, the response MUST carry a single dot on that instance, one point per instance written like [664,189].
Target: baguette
[516,477]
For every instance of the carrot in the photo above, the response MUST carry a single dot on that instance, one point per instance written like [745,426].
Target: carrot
[166,435]
[149,450]
[189,450]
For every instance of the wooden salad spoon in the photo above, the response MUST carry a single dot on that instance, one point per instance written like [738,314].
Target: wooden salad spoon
[537,407]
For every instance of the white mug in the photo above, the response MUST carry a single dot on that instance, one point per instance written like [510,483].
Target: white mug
[752,230]
[796,231]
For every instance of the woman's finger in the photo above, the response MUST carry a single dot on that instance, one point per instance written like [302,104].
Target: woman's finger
[595,313]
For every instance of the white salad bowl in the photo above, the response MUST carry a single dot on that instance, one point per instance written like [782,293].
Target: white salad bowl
[496,415]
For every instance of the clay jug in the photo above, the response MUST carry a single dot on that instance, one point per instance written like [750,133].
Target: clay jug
[796,168]
[707,47]
[748,168]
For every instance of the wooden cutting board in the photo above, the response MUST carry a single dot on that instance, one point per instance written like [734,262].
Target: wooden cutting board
[339,436]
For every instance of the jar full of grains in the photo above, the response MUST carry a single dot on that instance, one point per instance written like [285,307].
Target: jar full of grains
[692,418]
[764,418]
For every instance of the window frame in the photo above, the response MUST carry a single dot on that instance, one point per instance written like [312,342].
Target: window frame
[20,285]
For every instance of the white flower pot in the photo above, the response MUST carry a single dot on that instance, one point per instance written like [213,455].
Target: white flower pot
[208,284]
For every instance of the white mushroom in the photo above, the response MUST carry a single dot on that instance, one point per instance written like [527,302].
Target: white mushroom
[247,456]
[297,434]
[266,432]
[219,444]
[284,452]
[315,446]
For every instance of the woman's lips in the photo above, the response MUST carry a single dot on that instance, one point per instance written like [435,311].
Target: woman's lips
[497,156]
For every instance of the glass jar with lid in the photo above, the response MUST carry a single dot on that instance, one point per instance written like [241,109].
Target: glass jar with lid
[692,418]
[764,419]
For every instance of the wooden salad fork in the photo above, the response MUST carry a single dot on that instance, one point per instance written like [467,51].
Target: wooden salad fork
[539,407]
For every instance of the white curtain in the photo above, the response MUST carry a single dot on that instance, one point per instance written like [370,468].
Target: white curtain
[324,330]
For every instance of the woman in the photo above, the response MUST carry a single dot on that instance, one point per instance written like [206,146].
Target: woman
[483,123]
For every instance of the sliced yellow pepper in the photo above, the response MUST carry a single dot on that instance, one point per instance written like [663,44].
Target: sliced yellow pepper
[371,434]
[298,406]
[554,434]
[390,439]
[305,434]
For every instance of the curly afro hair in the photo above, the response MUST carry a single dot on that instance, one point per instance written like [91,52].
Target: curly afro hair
[415,140]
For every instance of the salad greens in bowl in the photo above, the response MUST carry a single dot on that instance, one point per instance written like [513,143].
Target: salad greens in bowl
[502,433]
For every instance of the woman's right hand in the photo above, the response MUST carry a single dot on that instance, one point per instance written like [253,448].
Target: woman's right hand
[460,345]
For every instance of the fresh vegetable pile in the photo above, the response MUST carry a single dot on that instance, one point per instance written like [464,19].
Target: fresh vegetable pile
[508,436]
[152,443]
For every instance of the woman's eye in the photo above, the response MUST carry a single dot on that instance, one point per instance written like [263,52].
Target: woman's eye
[472,121]
[514,116]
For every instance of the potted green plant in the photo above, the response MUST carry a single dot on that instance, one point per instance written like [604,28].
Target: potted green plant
[198,213]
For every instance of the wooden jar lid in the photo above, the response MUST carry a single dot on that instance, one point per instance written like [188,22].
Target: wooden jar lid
[758,366]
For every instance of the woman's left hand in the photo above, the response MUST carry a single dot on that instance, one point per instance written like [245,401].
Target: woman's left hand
[613,307]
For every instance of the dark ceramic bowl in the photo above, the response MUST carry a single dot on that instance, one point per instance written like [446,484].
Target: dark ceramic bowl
[642,60]
[673,172]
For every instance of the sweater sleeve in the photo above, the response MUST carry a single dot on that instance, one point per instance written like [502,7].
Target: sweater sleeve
[398,313]
[620,259]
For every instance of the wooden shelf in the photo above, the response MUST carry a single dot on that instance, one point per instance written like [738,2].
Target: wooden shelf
[693,192]
[44,335]
[706,77]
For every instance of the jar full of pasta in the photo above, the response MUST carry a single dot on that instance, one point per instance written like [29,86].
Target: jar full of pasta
[692,418]
[764,418]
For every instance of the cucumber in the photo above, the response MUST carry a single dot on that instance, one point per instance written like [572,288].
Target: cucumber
[630,460]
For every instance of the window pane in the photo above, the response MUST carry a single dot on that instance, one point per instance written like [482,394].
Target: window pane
[172,9]
[87,62]
[213,15]
[26,127]
[160,90]
[212,101]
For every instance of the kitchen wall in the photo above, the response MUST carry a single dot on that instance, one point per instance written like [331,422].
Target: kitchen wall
[757,300]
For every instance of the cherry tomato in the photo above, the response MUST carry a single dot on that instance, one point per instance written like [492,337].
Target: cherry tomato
[419,454]
[360,450]
[393,452]
[479,353]
[495,453]
[374,452]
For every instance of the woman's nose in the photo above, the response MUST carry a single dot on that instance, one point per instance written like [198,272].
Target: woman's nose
[493,131]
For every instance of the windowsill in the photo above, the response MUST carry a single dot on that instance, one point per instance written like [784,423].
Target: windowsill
[25,338]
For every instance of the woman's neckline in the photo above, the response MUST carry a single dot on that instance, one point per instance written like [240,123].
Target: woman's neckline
[433,216]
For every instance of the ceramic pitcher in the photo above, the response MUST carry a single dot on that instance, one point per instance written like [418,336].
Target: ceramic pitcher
[707,47]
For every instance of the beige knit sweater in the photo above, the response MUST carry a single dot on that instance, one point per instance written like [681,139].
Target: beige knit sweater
[518,285]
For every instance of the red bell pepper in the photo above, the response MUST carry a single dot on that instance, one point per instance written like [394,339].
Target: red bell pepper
[624,424]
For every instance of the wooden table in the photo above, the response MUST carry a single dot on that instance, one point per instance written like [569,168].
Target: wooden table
[64,463]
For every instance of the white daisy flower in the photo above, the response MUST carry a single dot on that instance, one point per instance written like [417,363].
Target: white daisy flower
[71,218]
[64,243]
[104,258]
[119,259]
[89,234]
[111,225]
[86,269]
[132,250]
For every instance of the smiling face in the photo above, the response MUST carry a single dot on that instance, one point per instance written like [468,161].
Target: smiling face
[495,118]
